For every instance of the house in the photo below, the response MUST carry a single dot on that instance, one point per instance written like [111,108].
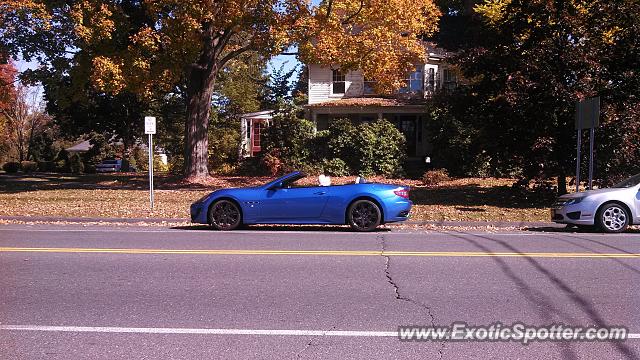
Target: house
[251,126]
[334,94]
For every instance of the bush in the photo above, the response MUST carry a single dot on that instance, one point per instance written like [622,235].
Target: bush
[367,149]
[76,166]
[47,166]
[224,142]
[176,165]
[435,177]
[62,161]
[158,165]
[139,158]
[287,141]
[29,166]
[11,167]
[335,167]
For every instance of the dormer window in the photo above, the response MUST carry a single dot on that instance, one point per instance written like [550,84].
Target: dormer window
[339,83]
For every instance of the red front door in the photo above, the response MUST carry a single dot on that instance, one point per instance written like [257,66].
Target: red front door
[256,130]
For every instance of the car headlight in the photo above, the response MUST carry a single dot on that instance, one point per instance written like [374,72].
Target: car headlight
[574,201]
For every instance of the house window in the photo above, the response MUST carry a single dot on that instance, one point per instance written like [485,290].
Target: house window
[414,81]
[369,87]
[339,83]
[450,80]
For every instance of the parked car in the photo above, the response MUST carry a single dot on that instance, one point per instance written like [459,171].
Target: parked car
[362,205]
[611,210]
[109,166]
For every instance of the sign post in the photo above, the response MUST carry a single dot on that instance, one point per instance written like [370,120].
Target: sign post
[587,117]
[150,129]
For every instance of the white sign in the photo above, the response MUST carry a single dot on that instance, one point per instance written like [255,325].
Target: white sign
[149,125]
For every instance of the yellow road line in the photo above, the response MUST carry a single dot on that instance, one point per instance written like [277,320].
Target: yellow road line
[325,252]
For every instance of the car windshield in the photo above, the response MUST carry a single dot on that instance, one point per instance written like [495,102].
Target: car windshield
[110,162]
[630,182]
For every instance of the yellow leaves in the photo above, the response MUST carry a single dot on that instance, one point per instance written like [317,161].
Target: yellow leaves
[381,37]
[107,75]
[492,11]
[609,36]
[93,20]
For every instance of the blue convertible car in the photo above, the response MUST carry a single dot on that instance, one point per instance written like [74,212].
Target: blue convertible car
[362,205]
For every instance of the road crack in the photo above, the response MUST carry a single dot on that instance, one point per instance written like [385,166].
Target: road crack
[398,294]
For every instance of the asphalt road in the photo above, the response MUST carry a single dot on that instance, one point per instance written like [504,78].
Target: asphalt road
[149,293]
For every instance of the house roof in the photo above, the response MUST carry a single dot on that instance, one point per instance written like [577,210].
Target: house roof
[265,114]
[368,101]
[80,147]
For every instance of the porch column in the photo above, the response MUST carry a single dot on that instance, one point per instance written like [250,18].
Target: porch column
[243,148]
[314,118]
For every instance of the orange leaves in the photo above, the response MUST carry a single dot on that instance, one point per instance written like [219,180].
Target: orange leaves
[107,75]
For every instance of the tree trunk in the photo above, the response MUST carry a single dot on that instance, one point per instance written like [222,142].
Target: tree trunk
[199,91]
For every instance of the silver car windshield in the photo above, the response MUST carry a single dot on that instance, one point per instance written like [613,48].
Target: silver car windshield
[630,182]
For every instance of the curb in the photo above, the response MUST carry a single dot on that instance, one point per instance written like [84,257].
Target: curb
[87,220]
[442,223]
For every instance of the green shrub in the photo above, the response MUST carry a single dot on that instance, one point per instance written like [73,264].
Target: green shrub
[287,141]
[158,165]
[47,166]
[76,166]
[29,166]
[435,177]
[369,148]
[62,161]
[335,167]
[139,158]
[176,165]
[224,141]
[11,167]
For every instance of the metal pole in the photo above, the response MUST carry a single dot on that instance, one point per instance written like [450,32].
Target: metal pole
[151,171]
[578,161]
[592,134]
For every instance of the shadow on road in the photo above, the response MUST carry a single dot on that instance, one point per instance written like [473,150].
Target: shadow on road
[257,228]
[541,301]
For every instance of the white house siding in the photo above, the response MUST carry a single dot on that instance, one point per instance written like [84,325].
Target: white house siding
[320,84]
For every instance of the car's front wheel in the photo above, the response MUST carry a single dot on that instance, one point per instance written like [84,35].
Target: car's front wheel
[612,218]
[364,215]
[225,215]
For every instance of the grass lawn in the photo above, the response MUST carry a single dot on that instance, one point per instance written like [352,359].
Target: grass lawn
[126,196]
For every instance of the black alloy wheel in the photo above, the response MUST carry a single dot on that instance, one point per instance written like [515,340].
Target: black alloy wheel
[364,215]
[225,215]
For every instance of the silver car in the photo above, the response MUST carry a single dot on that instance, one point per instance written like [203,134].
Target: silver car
[612,210]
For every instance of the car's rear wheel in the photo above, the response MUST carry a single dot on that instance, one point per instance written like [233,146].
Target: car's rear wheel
[612,218]
[225,215]
[364,215]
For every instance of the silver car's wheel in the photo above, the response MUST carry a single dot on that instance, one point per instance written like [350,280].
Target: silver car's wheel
[364,215]
[613,218]
[225,215]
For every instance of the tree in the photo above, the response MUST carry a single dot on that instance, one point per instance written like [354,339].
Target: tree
[531,63]
[7,96]
[150,46]
[25,119]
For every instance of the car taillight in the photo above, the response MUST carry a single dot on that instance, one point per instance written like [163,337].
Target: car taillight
[404,193]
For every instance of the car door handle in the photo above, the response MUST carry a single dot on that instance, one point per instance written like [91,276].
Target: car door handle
[319,193]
